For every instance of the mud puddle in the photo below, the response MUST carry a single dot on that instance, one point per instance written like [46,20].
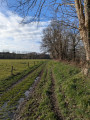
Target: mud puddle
[9,113]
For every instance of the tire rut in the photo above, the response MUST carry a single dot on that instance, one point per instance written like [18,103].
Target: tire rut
[53,100]
[21,106]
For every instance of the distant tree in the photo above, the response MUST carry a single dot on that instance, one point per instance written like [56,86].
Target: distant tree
[61,42]
[55,40]
[51,41]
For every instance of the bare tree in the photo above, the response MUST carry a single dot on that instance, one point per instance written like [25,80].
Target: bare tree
[55,40]
[83,13]
[61,42]
[52,39]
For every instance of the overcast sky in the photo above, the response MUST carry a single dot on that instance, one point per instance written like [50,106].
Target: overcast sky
[18,37]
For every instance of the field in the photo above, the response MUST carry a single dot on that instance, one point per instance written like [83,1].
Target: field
[43,90]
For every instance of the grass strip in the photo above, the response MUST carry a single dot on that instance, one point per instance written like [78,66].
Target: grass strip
[72,91]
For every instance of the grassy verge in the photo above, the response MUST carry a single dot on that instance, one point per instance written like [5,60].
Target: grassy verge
[72,91]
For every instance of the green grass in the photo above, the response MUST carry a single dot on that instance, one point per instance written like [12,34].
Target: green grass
[18,65]
[72,90]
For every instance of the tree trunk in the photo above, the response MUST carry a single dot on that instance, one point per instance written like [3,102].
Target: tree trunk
[83,13]
[83,34]
[74,50]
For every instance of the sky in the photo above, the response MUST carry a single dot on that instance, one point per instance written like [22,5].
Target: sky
[15,36]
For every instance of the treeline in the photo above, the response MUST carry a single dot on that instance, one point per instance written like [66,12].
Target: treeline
[63,42]
[32,55]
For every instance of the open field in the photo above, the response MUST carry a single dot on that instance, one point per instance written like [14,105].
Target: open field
[18,66]
[47,90]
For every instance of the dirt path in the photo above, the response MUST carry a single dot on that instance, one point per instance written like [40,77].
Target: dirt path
[22,104]
[54,101]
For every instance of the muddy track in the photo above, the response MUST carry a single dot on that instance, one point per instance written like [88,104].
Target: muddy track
[21,105]
[53,100]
